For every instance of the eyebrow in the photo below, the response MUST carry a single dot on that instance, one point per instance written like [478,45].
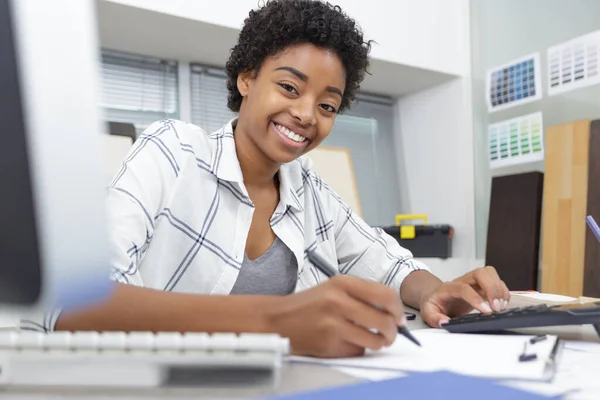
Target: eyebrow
[304,78]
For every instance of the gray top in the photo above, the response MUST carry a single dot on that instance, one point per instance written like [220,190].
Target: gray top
[275,272]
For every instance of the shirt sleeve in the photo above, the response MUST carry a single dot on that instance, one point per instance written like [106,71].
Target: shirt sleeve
[39,321]
[368,252]
[136,195]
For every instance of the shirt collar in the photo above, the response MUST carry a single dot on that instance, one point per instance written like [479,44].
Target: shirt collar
[290,176]
[226,166]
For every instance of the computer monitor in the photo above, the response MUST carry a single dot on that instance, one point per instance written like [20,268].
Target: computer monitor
[53,244]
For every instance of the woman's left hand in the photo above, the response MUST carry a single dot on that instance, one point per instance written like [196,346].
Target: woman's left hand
[481,289]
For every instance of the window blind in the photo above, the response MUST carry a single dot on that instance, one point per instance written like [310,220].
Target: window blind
[209,98]
[138,90]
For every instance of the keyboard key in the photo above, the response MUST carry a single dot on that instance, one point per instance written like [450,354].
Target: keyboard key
[167,341]
[262,342]
[57,341]
[30,341]
[85,340]
[112,341]
[140,341]
[192,341]
[8,340]
[223,341]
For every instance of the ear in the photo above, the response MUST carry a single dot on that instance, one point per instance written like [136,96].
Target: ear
[244,82]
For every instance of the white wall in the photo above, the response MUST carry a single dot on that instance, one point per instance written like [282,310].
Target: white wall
[424,33]
[434,147]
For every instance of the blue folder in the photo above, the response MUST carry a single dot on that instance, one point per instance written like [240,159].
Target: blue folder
[427,386]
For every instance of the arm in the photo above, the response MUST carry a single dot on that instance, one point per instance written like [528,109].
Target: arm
[417,287]
[132,308]
[370,253]
[330,320]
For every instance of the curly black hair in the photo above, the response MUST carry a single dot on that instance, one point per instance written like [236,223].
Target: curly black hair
[281,23]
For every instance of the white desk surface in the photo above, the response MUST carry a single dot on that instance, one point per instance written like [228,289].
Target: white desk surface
[294,378]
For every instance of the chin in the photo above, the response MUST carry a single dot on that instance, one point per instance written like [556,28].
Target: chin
[284,157]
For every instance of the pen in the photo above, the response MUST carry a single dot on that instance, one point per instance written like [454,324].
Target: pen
[593,226]
[330,270]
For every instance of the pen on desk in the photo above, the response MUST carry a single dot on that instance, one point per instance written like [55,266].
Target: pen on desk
[330,270]
[593,226]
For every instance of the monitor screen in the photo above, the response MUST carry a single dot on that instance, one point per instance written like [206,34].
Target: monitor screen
[20,277]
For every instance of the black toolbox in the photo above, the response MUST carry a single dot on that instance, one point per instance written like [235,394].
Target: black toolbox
[422,240]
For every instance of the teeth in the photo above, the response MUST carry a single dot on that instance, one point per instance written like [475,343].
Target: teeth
[294,136]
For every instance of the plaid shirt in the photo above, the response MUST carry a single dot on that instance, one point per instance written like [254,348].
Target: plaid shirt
[179,216]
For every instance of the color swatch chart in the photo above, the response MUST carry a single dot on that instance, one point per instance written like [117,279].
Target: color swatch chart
[516,141]
[514,83]
[574,64]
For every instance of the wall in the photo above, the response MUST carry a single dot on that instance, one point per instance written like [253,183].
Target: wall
[503,31]
[436,166]
[425,33]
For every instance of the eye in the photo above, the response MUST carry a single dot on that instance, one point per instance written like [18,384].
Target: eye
[328,108]
[288,88]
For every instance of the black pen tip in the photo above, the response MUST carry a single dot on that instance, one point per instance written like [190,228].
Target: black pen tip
[406,333]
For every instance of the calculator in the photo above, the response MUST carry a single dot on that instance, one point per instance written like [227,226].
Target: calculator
[526,317]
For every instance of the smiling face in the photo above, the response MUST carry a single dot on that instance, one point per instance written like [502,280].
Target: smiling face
[289,107]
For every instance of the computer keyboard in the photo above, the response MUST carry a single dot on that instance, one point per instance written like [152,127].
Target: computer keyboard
[137,359]
[525,317]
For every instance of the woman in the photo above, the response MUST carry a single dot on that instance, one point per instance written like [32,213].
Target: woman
[195,217]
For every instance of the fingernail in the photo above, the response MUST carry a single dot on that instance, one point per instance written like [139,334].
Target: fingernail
[497,303]
[505,303]
[402,321]
[442,322]
[485,307]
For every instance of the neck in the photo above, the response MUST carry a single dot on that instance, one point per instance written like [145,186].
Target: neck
[257,169]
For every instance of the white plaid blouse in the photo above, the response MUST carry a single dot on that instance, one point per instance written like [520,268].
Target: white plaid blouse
[179,215]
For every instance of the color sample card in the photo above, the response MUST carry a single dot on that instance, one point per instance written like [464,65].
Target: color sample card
[574,64]
[514,83]
[516,141]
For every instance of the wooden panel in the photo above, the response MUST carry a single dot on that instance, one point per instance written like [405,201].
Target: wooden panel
[564,210]
[334,165]
[591,277]
[514,229]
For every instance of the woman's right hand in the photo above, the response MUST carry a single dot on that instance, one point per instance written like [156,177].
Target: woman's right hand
[339,318]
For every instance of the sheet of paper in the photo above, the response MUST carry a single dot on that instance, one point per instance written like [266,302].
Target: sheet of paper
[493,356]
[370,374]
[576,375]
[520,299]
[588,347]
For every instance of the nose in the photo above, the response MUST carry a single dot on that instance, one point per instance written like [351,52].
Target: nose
[304,112]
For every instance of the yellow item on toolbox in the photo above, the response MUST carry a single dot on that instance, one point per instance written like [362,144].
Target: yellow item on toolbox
[408,231]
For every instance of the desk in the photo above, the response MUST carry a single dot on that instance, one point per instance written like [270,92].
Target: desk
[294,377]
